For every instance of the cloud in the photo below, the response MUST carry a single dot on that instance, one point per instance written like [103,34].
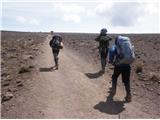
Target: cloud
[34,21]
[21,19]
[125,14]
[70,12]
[73,17]
[120,13]
[25,20]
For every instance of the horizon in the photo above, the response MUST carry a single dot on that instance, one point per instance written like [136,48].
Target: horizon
[81,16]
[69,32]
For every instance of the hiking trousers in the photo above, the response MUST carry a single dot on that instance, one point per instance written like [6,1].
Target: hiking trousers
[103,57]
[55,55]
[125,71]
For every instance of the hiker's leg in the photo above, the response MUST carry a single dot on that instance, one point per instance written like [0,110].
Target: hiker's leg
[103,63]
[115,75]
[103,60]
[126,80]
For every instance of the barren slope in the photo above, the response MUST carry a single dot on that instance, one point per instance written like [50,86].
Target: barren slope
[76,90]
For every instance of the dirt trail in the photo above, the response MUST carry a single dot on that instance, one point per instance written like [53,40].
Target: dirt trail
[69,92]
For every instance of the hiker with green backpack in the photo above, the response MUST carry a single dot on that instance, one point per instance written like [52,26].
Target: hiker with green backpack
[103,40]
[121,55]
[56,44]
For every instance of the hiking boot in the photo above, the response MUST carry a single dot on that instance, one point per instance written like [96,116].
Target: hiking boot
[112,91]
[56,68]
[128,98]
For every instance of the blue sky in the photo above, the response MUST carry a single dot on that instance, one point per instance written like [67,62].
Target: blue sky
[89,16]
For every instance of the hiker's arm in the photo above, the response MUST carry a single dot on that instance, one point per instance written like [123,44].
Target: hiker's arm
[112,54]
[61,47]
[110,38]
[97,39]
[50,43]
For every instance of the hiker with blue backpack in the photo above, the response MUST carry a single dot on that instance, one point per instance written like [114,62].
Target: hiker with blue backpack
[121,55]
[56,44]
[103,40]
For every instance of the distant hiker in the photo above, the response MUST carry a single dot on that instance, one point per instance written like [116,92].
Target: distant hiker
[56,44]
[103,40]
[121,55]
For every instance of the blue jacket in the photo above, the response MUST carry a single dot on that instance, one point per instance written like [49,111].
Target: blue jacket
[113,56]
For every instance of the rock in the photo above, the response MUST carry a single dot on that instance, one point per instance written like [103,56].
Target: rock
[143,85]
[23,70]
[35,49]
[134,93]
[31,66]
[147,83]
[7,96]
[5,84]
[18,81]
[26,57]
[31,57]
[4,74]
[154,76]
[159,82]
[136,84]
[151,89]
[12,89]
[20,85]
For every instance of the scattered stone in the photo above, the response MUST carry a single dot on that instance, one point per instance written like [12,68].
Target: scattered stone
[4,74]
[20,85]
[136,84]
[7,96]
[154,76]
[18,81]
[147,83]
[26,57]
[5,84]
[12,89]
[134,93]
[31,66]
[143,85]
[23,70]
[151,89]
[35,49]
[31,57]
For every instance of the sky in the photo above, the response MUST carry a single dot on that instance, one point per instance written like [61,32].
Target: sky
[85,16]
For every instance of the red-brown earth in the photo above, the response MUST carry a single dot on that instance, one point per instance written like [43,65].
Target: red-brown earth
[28,92]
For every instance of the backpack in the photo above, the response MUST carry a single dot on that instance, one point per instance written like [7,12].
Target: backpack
[56,42]
[125,50]
[104,41]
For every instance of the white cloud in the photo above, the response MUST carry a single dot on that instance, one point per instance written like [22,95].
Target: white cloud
[25,20]
[103,7]
[34,21]
[73,18]
[70,12]
[21,19]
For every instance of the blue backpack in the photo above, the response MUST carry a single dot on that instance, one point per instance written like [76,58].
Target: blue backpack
[125,50]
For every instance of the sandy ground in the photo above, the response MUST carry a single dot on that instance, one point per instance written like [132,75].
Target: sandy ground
[76,90]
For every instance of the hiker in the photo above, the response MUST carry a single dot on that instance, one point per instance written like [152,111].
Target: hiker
[121,55]
[56,44]
[103,40]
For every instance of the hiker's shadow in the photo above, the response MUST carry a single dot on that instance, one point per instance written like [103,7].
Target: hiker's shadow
[110,106]
[94,75]
[47,69]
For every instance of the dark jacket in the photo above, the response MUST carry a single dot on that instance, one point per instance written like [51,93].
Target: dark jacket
[103,43]
[52,40]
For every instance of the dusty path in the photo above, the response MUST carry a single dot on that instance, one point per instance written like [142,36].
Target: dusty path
[69,93]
